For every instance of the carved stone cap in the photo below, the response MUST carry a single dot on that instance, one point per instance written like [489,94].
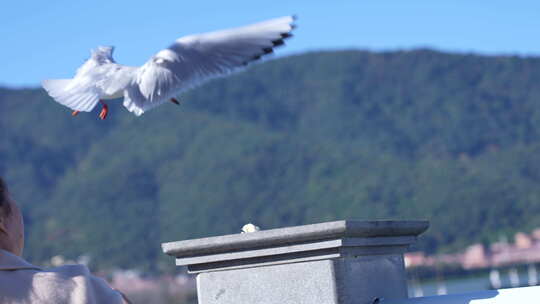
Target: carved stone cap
[345,229]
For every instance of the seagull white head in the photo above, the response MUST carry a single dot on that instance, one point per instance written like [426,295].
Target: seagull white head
[102,54]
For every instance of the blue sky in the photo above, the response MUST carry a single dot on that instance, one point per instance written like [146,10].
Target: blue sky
[50,39]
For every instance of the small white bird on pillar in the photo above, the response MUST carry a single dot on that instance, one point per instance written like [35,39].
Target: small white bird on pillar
[248,228]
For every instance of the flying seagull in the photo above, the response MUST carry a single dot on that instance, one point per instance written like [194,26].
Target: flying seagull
[188,62]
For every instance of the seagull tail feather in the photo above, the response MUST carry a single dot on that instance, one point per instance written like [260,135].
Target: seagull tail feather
[55,87]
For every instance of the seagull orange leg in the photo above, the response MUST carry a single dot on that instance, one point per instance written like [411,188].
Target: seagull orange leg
[75,113]
[104,111]
[175,101]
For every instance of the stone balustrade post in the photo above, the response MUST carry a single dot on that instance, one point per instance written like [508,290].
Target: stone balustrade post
[341,262]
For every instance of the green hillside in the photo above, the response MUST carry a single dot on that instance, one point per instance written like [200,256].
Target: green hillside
[308,138]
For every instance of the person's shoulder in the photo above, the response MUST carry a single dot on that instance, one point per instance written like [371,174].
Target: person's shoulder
[78,272]
[100,289]
[69,270]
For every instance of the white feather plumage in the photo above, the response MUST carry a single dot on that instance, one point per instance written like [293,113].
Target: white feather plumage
[188,62]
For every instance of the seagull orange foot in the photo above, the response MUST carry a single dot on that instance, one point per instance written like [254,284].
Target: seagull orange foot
[75,113]
[104,111]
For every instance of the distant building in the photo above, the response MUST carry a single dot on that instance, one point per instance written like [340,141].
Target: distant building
[525,249]
[475,257]
[523,241]
[415,259]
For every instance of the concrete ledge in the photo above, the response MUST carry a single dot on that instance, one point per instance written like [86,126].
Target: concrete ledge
[294,235]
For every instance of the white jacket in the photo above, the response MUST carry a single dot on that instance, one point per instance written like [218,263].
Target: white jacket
[22,282]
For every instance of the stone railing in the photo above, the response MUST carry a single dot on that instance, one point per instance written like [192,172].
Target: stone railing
[523,295]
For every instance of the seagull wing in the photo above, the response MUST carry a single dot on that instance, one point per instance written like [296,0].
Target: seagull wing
[194,59]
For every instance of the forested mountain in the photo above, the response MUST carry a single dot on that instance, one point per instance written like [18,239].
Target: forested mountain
[453,138]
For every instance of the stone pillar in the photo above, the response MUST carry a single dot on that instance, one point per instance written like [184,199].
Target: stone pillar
[341,262]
